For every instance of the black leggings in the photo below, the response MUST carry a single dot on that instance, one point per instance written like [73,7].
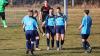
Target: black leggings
[2,15]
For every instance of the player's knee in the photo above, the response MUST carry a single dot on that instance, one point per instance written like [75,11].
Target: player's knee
[37,37]
[28,41]
[83,40]
[32,42]
[62,36]
[57,36]
[3,18]
[47,35]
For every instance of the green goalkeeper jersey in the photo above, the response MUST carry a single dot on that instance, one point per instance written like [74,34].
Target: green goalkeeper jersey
[3,4]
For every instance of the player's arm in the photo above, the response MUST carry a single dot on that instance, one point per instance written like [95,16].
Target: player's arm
[23,24]
[23,27]
[55,22]
[80,27]
[37,25]
[45,22]
[6,3]
[91,22]
[82,24]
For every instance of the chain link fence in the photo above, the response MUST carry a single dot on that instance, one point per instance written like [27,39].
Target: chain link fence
[19,8]
[53,2]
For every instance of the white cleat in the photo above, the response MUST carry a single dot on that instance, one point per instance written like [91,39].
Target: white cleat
[37,49]
[43,34]
[5,26]
[48,48]
[58,49]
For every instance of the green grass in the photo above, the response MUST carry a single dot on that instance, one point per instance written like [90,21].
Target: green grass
[12,39]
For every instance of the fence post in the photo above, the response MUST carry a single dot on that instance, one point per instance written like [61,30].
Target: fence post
[66,7]
[73,3]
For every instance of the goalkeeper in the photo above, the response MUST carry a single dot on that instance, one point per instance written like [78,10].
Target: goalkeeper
[3,4]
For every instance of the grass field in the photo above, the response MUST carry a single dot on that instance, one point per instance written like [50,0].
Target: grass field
[12,39]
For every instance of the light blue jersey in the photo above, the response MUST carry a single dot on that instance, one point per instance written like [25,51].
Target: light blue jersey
[36,21]
[60,20]
[50,21]
[30,23]
[86,25]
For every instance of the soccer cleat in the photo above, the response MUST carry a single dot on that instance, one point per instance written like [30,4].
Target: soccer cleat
[4,23]
[52,46]
[89,50]
[27,51]
[58,49]
[86,51]
[37,49]
[5,26]
[61,47]
[32,52]
[43,34]
[48,48]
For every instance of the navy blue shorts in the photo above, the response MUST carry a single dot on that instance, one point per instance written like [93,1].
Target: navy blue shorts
[50,30]
[60,29]
[29,35]
[85,36]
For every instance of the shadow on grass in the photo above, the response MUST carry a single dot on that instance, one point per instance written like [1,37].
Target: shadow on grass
[4,39]
[96,52]
[68,50]
[8,49]
[95,33]
[77,50]
[79,34]
[80,48]
[50,53]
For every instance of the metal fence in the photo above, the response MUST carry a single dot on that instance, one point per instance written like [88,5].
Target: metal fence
[53,2]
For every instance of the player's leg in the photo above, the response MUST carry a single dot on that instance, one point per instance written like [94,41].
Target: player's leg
[32,33]
[4,22]
[62,35]
[57,41]
[89,49]
[43,27]
[37,40]
[85,43]
[48,37]
[57,37]
[28,42]
[52,35]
